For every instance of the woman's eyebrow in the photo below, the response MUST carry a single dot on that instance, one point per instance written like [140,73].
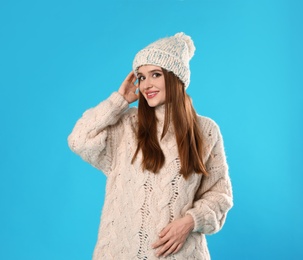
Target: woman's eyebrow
[139,74]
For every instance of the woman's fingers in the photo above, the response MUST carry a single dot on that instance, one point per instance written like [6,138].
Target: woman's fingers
[177,249]
[165,230]
[166,246]
[160,242]
[131,77]
[128,88]
[173,236]
[172,249]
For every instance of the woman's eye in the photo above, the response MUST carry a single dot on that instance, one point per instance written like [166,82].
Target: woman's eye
[156,75]
[140,78]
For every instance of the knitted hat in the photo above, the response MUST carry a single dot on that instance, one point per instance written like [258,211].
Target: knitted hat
[172,53]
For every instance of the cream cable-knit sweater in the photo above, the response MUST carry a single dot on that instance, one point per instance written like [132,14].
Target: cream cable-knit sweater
[139,204]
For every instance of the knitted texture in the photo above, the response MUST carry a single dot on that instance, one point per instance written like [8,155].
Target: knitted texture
[172,53]
[139,204]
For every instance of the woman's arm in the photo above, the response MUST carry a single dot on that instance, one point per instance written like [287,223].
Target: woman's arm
[92,137]
[214,197]
[95,133]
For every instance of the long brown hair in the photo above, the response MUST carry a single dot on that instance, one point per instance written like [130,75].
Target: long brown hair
[179,109]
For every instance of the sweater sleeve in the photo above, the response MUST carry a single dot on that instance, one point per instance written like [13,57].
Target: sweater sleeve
[92,136]
[214,197]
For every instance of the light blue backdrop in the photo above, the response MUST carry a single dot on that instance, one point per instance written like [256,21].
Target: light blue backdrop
[58,58]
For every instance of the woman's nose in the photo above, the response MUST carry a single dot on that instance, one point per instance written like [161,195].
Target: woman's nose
[147,83]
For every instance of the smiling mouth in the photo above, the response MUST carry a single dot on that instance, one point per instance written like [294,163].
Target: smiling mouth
[152,94]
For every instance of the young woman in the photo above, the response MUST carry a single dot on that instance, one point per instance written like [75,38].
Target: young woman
[167,176]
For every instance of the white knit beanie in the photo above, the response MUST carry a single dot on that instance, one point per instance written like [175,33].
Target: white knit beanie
[171,53]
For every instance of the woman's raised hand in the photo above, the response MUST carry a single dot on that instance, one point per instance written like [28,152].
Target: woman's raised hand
[128,88]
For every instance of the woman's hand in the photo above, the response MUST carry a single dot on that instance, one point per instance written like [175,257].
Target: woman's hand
[128,88]
[173,236]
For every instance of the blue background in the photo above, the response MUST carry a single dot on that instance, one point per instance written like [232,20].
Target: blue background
[58,58]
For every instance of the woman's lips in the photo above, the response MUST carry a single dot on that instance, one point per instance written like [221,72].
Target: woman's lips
[151,94]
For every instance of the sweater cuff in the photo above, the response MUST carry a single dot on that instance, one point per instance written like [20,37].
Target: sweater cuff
[204,223]
[197,220]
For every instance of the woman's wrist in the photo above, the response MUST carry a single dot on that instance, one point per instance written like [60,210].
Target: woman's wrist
[189,222]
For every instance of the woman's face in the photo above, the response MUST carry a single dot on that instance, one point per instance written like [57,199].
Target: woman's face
[152,84]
